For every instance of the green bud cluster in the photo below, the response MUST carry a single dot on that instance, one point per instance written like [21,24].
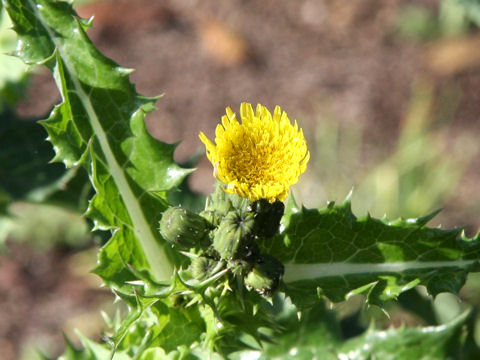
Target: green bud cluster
[225,235]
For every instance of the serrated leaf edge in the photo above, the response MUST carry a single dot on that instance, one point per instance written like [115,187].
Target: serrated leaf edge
[161,270]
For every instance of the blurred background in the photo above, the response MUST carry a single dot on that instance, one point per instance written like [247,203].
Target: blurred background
[387,92]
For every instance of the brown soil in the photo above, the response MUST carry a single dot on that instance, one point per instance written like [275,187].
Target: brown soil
[43,296]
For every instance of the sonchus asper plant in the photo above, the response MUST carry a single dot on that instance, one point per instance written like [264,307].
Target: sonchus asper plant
[248,277]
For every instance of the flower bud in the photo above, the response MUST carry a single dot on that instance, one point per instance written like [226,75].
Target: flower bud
[265,275]
[267,217]
[218,205]
[232,232]
[240,267]
[202,267]
[208,215]
[182,227]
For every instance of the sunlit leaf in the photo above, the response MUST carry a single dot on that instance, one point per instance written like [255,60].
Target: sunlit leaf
[100,125]
[330,252]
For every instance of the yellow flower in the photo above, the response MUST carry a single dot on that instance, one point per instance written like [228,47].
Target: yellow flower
[259,158]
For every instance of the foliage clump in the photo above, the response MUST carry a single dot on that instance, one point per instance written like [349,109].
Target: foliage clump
[248,276]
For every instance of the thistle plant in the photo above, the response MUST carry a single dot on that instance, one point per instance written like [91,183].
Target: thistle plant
[251,275]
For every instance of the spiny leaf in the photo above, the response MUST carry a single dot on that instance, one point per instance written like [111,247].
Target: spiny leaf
[162,326]
[426,343]
[100,125]
[332,253]
[315,336]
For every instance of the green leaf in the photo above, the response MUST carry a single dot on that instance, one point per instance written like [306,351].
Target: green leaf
[13,72]
[179,326]
[161,326]
[316,336]
[100,125]
[330,252]
[91,351]
[215,318]
[153,354]
[427,343]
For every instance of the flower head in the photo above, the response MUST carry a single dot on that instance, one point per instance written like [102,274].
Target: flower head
[259,157]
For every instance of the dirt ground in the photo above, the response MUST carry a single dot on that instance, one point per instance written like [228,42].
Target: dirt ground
[313,57]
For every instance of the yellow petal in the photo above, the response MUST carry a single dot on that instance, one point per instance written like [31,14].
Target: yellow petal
[259,157]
